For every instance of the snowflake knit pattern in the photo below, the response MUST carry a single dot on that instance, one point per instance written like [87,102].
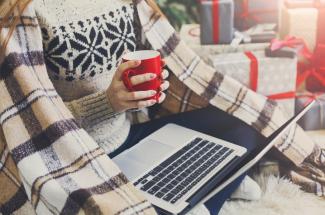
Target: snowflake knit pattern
[83,42]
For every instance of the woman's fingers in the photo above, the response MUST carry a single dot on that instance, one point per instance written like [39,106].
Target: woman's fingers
[164,86]
[139,79]
[143,104]
[165,74]
[163,63]
[140,95]
[162,98]
[127,65]
[138,103]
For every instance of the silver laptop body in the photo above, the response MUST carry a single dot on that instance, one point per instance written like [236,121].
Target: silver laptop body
[142,163]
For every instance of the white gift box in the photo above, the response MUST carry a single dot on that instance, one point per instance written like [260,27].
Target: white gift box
[299,22]
[273,76]
[190,34]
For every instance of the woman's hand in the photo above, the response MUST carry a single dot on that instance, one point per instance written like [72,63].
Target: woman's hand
[121,99]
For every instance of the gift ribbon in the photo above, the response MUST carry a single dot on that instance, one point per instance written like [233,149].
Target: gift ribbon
[319,55]
[305,70]
[254,80]
[292,42]
[311,97]
[215,20]
[311,68]
[319,99]
[311,72]
[253,70]
[194,32]
[282,96]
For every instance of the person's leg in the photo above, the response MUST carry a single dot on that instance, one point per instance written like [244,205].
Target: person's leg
[216,202]
[211,121]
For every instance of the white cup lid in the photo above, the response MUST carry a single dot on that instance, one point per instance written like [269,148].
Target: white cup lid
[141,55]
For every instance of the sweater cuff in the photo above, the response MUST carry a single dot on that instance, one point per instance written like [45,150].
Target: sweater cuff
[92,109]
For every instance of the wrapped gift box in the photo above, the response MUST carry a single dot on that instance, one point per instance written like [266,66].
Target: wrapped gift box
[300,19]
[190,34]
[321,24]
[290,47]
[319,54]
[317,4]
[217,21]
[273,77]
[315,80]
[283,52]
[251,12]
[260,33]
[314,119]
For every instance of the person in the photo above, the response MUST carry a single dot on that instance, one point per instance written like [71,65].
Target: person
[83,42]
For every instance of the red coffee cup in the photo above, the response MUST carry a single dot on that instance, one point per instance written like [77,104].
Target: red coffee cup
[150,63]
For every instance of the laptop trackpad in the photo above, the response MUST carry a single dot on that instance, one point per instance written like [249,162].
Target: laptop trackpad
[135,161]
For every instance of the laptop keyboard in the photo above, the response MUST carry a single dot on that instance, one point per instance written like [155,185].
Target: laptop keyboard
[179,173]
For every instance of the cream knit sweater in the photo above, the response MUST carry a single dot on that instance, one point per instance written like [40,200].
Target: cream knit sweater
[83,44]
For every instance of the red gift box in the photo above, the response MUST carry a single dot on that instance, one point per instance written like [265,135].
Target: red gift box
[316,79]
[319,55]
[313,72]
[321,25]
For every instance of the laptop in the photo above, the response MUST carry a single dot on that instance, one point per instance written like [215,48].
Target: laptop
[177,168]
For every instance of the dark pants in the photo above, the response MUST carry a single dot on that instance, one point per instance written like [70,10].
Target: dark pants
[211,121]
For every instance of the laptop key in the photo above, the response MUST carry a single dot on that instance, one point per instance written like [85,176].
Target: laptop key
[173,201]
[154,189]
[144,181]
[169,186]
[159,194]
[166,180]
[174,182]
[147,185]
[161,184]
[179,173]
[168,197]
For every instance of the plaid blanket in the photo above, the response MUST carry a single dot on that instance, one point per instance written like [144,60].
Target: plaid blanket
[49,165]
[194,84]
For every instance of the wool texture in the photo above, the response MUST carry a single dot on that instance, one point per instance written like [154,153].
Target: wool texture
[49,164]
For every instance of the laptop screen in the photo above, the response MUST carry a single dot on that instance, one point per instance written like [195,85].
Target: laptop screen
[254,154]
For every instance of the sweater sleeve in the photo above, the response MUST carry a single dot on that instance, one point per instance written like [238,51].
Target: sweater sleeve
[91,109]
[62,169]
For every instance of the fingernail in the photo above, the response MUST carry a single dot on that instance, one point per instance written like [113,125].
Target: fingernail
[152,102]
[137,62]
[152,92]
[153,75]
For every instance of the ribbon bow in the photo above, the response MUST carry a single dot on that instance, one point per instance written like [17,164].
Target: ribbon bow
[292,42]
[306,71]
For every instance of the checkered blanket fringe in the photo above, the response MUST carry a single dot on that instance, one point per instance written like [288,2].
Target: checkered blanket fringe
[49,165]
